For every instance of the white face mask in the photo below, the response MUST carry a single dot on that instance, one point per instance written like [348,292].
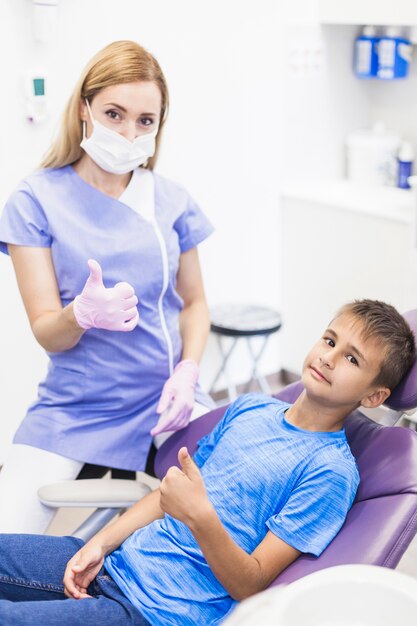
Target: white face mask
[113,152]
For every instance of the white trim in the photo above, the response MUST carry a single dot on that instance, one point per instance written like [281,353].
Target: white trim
[165,268]
[139,195]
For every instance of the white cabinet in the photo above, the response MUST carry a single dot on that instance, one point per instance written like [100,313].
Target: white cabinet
[339,243]
[384,12]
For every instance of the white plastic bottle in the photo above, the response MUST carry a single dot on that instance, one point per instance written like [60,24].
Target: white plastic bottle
[371,155]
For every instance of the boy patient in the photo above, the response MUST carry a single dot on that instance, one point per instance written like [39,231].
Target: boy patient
[270,482]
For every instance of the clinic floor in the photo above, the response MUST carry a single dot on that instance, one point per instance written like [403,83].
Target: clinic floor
[67,520]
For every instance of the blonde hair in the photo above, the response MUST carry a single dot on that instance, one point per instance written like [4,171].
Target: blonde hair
[119,62]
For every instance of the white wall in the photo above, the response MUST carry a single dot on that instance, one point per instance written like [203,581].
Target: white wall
[394,103]
[222,61]
[243,124]
[381,267]
[323,104]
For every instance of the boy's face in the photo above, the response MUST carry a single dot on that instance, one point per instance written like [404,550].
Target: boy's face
[340,370]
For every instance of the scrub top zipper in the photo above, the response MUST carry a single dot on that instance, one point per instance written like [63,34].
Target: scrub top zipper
[139,195]
[164,257]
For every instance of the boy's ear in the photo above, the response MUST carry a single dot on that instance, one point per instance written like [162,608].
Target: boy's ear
[376,398]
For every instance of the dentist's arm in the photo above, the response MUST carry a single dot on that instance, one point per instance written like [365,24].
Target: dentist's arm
[177,398]
[194,318]
[184,497]
[59,328]
[53,326]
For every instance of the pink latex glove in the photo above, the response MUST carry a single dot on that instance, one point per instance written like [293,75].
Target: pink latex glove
[177,398]
[99,307]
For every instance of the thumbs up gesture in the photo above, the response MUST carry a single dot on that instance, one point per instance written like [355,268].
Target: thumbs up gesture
[99,307]
[183,494]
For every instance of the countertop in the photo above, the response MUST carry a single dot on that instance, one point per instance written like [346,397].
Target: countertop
[383,202]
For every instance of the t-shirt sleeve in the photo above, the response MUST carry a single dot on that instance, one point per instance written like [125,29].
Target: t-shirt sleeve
[23,222]
[316,509]
[192,226]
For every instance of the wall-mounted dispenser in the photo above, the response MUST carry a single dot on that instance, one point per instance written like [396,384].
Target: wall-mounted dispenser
[36,97]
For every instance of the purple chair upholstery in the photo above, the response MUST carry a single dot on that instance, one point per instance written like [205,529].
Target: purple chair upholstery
[383,519]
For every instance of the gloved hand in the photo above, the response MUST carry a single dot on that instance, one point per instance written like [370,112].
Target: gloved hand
[99,307]
[177,398]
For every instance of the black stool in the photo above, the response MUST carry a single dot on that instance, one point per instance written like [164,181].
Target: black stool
[243,321]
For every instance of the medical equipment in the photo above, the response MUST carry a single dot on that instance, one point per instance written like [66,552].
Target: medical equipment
[405,164]
[112,151]
[35,96]
[345,595]
[365,61]
[371,155]
[394,54]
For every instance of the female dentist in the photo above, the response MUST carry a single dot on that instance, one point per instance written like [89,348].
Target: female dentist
[105,256]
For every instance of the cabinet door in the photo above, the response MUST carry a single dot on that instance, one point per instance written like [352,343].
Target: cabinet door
[382,12]
[332,256]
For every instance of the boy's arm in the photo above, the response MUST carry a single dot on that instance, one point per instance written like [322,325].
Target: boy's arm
[86,563]
[240,573]
[141,514]
[184,497]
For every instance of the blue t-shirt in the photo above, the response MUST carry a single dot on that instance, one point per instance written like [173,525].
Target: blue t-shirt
[261,473]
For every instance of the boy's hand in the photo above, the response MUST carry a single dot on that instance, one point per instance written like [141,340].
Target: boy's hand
[183,494]
[81,571]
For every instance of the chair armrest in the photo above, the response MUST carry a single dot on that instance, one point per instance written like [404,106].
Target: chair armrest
[115,493]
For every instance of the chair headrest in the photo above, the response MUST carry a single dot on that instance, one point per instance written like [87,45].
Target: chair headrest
[386,457]
[404,396]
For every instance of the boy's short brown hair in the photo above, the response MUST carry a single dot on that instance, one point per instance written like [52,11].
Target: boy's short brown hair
[383,323]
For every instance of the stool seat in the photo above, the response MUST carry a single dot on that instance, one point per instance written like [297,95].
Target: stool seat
[244,320]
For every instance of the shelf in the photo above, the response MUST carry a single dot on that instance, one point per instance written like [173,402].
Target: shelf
[375,12]
[381,202]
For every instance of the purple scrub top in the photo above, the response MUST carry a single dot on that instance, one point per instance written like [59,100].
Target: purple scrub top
[97,403]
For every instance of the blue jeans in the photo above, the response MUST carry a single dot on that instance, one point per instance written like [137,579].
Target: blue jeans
[32,568]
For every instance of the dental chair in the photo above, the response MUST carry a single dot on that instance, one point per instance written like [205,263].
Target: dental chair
[378,596]
[382,521]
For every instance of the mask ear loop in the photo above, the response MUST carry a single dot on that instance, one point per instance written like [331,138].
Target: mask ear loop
[84,121]
[89,109]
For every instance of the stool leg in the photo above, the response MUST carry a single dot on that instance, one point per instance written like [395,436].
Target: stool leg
[231,389]
[255,360]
